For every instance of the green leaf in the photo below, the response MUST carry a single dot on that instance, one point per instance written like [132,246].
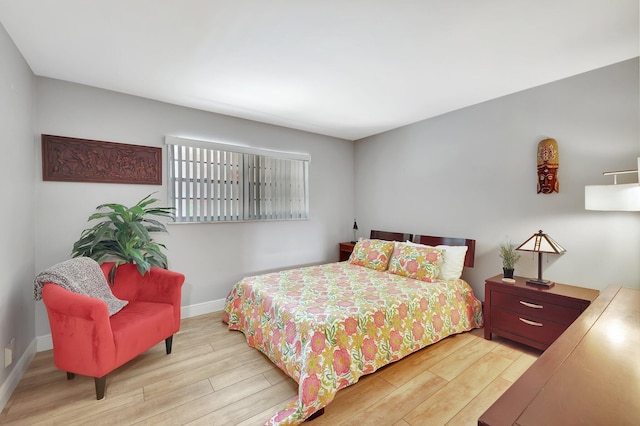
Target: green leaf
[112,274]
[140,231]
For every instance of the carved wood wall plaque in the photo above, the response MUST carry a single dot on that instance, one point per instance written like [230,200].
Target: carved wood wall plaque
[84,160]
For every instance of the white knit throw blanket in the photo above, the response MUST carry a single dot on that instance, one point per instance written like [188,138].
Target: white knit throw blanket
[81,275]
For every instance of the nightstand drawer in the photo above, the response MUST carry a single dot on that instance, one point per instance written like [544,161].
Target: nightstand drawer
[536,329]
[535,307]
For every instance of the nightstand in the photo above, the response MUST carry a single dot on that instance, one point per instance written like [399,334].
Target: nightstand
[530,314]
[345,250]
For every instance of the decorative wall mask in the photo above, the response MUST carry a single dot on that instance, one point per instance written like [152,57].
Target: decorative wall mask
[548,163]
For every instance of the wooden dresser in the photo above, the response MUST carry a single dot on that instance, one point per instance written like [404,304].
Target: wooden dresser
[531,314]
[589,376]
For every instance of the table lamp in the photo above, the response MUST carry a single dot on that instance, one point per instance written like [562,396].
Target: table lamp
[541,243]
[355,231]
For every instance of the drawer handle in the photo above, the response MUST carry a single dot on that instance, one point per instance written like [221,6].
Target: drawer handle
[531,305]
[526,321]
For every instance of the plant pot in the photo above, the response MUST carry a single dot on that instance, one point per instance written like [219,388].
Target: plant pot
[507,273]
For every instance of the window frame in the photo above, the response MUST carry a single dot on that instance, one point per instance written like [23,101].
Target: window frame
[242,172]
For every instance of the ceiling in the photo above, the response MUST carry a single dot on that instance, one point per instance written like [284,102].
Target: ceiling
[348,69]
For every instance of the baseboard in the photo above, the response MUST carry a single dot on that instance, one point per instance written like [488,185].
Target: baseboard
[45,343]
[11,382]
[202,308]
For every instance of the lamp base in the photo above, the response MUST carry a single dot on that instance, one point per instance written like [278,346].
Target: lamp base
[545,283]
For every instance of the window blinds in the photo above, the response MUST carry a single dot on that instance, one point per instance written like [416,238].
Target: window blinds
[215,182]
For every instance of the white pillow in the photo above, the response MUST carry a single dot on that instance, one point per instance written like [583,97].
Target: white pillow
[451,268]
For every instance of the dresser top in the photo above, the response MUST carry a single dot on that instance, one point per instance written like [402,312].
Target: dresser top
[557,288]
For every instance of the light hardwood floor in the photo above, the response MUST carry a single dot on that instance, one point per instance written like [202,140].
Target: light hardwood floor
[214,378]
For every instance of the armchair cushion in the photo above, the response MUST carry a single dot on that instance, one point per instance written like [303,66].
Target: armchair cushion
[145,320]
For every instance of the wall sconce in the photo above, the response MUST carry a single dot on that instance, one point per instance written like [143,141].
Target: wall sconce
[616,197]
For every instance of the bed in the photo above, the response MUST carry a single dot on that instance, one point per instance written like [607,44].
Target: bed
[328,325]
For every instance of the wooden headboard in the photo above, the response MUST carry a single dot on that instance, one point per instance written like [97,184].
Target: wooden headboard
[430,241]
[434,241]
[390,236]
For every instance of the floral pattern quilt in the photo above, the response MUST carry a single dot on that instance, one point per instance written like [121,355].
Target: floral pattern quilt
[327,325]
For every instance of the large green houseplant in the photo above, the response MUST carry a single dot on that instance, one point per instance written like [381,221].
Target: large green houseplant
[124,236]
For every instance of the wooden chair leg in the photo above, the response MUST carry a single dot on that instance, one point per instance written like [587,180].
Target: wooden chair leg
[101,383]
[168,342]
[70,376]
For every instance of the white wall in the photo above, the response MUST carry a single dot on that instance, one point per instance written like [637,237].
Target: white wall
[212,256]
[17,213]
[472,173]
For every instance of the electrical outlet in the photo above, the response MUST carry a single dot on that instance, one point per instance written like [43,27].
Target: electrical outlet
[8,353]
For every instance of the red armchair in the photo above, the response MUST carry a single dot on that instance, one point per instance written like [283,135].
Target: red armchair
[87,341]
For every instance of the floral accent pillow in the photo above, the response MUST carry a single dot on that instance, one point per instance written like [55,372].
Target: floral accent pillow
[420,263]
[374,254]
[453,261]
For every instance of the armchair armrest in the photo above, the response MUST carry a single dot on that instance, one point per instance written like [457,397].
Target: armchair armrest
[68,303]
[158,285]
[79,325]
[161,285]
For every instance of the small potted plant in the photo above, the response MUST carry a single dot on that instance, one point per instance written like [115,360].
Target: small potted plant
[124,236]
[509,257]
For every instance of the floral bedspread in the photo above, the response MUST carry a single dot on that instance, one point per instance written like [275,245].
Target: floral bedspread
[328,325]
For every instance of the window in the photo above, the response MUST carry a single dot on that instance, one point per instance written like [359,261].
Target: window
[216,182]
